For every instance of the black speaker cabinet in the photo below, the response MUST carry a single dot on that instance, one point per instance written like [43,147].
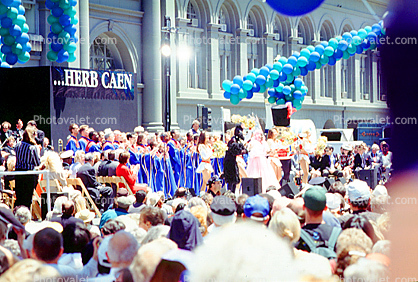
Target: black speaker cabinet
[289,190]
[280,115]
[251,186]
[369,176]
[44,205]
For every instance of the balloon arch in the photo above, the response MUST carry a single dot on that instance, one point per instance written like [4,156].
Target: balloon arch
[281,79]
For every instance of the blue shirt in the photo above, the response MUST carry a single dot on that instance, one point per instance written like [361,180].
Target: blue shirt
[111,214]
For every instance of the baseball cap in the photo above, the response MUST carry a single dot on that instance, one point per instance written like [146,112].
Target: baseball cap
[380,190]
[67,154]
[315,198]
[358,190]
[223,205]
[123,202]
[214,179]
[256,204]
[122,192]
[333,201]
[317,181]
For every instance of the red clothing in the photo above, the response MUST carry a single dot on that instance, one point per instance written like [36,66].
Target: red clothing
[123,170]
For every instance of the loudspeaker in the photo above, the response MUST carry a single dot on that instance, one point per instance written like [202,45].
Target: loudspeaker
[370,176]
[44,205]
[289,190]
[280,115]
[251,186]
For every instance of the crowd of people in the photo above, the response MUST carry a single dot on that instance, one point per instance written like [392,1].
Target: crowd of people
[176,220]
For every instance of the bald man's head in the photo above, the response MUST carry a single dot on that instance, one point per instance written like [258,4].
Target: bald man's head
[68,208]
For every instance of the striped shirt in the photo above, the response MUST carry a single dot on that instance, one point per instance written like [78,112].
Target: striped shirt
[27,156]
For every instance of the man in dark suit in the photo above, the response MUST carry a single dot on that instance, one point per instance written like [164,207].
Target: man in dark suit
[101,195]
[40,135]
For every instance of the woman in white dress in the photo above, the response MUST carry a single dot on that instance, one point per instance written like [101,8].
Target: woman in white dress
[205,151]
[258,164]
[273,153]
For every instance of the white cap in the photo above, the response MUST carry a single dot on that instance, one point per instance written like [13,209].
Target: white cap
[358,190]
[333,201]
[380,190]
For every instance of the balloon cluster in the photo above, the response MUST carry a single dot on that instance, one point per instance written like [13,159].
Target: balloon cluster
[281,78]
[15,46]
[62,37]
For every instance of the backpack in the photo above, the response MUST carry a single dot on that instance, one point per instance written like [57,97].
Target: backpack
[318,248]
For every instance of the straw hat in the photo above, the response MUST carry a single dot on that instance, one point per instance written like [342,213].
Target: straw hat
[85,215]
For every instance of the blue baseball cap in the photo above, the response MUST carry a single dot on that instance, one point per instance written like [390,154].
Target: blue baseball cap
[256,204]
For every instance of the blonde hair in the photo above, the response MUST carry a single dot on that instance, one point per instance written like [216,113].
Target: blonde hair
[201,214]
[52,161]
[11,163]
[28,270]
[78,155]
[354,236]
[285,224]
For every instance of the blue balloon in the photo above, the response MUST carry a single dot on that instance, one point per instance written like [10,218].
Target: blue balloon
[6,49]
[73,2]
[50,5]
[287,90]
[11,58]
[16,3]
[287,68]
[269,66]
[319,49]
[27,47]
[372,37]
[57,12]
[294,8]
[311,66]
[235,88]
[359,49]
[272,92]
[15,30]
[353,33]
[6,22]
[23,38]
[303,71]
[238,80]
[55,46]
[376,28]
[325,44]
[296,54]
[276,83]
[297,94]
[348,38]
[292,61]
[7,2]
[65,20]
[227,95]
[332,61]
[282,77]
[280,95]
[298,83]
[250,94]
[338,54]
[260,80]
[5,65]
[256,88]
[366,44]
[342,45]
[264,71]
[314,57]
[21,10]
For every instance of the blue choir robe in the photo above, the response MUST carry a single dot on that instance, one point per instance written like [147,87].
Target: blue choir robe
[108,146]
[174,152]
[72,144]
[83,142]
[92,147]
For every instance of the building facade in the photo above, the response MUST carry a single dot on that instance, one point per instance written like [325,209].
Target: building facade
[213,40]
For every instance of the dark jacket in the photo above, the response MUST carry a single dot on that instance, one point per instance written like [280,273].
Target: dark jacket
[87,174]
[185,230]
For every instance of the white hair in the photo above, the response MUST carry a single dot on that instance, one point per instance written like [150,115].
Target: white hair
[382,247]
[58,204]
[221,220]
[365,270]
[196,201]
[122,247]
[23,214]
[244,252]
[155,232]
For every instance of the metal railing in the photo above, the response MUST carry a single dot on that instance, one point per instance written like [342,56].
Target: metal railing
[31,172]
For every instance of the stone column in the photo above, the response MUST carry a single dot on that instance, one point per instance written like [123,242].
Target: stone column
[182,63]
[242,51]
[44,30]
[294,46]
[356,79]
[84,42]
[214,64]
[152,99]
[337,83]
[269,47]
[374,95]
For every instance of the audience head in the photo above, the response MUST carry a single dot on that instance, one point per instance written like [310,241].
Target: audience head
[315,201]
[358,194]
[223,211]
[150,216]
[286,225]
[184,230]
[79,157]
[155,232]
[124,157]
[337,187]
[240,204]
[28,269]
[112,226]
[257,209]
[366,270]
[122,249]
[76,236]
[140,196]
[23,214]
[360,222]
[47,245]
[68,208]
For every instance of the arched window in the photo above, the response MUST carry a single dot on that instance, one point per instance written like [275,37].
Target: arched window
[305,31]
[347,73]
[256,45]
[101,57]
[191,12]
